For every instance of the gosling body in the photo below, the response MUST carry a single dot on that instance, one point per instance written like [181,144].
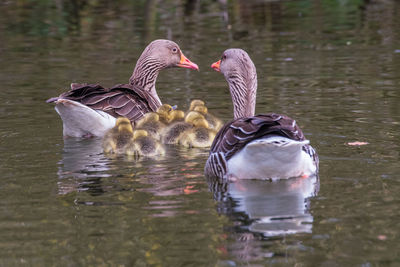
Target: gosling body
[199,106]
[116,139]
[144,145]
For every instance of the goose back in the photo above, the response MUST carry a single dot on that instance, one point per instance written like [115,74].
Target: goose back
[237,133]
[122,100]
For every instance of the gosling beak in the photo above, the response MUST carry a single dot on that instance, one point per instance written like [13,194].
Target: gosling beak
[215,65]
[174,107]
[186,63]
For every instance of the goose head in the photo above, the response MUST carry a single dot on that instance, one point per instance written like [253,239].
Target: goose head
[158,55]
[168,54]
[240,73]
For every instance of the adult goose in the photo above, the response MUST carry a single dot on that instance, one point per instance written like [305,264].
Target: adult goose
[264,146]
[90,109]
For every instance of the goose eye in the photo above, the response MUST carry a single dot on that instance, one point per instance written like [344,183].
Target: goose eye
[223,57]
[174,49]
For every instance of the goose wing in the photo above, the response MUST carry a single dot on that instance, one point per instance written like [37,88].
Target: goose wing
[236,134]
[121,100]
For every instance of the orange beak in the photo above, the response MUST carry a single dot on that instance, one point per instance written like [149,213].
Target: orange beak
[186,63]
[215,65]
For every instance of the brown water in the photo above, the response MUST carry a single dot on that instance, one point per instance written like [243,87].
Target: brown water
[332,65]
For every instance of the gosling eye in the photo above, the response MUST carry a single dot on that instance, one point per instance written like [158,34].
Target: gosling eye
[174,50]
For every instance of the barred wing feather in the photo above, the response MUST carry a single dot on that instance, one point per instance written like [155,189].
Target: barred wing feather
[238,133]
[121,100]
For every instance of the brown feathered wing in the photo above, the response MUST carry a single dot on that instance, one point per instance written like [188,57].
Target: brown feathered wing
[121,100]
[237,133]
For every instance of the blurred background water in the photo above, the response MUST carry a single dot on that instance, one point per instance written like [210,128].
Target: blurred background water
[334,65]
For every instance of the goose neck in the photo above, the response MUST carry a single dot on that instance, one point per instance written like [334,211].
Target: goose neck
[243,95]
[145,73]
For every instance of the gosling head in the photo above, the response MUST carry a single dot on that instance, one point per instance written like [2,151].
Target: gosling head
[192,116]
[152,116]
[123,124]
[202,109]
[164,109]
[139,133]
[168,113]
[177,115]
[200,122]
[165,112]
[196,102]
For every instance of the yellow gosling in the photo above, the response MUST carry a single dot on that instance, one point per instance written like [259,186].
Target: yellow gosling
[164,112]
[152,124]
[192,116]
[177,115]
[196,102]
[202,109]
[172,132]
[143,144]
[139,133]
[199,106]
[199,135]
[118,137]
[168,114]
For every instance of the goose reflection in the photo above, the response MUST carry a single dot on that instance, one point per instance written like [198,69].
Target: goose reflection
[82,166]
[271,208]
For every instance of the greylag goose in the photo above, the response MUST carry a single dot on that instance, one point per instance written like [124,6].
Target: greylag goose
[264,146]
[90,109]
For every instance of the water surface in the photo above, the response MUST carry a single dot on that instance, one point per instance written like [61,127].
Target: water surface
[332,65]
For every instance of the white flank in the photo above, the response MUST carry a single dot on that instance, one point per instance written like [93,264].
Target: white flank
[82,121]
[274,157]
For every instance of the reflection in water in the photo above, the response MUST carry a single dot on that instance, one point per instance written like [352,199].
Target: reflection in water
[334,64]
[82,166]
[85,169]
[270,207]
[263,212]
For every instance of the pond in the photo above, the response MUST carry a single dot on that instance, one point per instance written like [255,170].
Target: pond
[334,66]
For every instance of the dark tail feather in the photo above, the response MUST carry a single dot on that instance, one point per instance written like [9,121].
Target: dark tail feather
[51,100]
